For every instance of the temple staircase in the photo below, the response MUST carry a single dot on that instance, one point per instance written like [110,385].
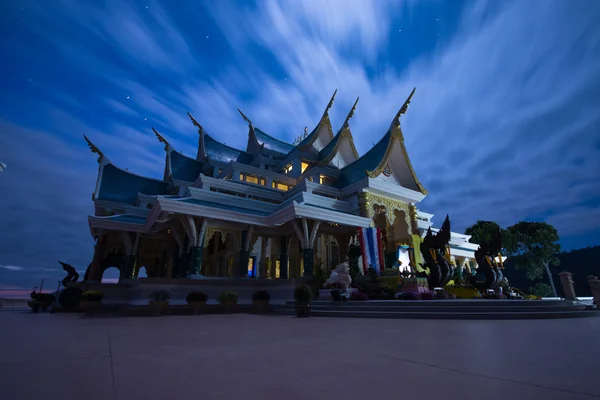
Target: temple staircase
[447,309]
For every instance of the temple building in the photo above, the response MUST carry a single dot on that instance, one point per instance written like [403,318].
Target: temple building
[273,210]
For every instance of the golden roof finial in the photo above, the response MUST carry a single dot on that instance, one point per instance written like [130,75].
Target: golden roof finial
[161,139]
[404,107]
[351,113]
[94,149]
[330,102]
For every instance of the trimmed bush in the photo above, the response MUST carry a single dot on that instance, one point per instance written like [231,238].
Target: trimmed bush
[196,297]
[92,295]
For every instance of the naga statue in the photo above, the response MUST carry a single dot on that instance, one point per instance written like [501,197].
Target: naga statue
[72,274]
[488,267]
[436,254]
[442,241]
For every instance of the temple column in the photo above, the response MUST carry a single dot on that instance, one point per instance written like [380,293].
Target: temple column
[94,272]
[263,257]
[197,252]
[283,258]
[244,257]
[307,239]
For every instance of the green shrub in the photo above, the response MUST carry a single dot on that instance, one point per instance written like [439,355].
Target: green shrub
[196,297]
[228,295]
[302,294]
[92,295]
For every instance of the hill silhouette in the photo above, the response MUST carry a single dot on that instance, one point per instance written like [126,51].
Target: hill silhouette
[580,262]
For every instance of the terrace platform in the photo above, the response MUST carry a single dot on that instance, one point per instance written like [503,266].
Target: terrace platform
[66,356]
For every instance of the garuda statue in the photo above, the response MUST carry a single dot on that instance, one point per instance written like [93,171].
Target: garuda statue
[488,268]
[72,274]
[436,254]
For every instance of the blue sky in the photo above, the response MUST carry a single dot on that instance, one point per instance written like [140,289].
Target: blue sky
[504,125]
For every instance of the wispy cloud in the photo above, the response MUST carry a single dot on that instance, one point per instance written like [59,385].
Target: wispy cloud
[503,125]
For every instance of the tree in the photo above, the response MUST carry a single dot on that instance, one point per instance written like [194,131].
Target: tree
[541,290]
[481,231]
[533,245]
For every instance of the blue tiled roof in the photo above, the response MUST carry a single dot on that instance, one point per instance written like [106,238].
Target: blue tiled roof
[123,187]
[220,152]
[226,207]
[356,171]
[185,168]
[326,151]
[271,143]
[133,219]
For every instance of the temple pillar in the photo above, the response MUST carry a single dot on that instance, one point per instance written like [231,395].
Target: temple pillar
[244,256]
[283,258]
[566,278]
[94,272]
[263,257]
[197,252]
[308,257]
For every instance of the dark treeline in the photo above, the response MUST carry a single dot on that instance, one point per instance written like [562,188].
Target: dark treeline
[581,263]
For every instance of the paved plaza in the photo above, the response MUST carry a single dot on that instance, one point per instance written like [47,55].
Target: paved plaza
[241,356]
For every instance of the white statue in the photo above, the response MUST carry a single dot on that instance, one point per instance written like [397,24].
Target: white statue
[340,277]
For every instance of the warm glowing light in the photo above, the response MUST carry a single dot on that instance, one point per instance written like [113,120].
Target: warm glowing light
[304,166]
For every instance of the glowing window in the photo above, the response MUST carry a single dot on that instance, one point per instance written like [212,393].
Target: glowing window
[281,186]
[303,166]
[241,177]
[277,269]
[322,179]
[263,181]
[287,168]
[252,179]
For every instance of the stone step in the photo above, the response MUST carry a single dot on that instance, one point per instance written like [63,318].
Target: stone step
[486,304]
[433,308]
[445,314]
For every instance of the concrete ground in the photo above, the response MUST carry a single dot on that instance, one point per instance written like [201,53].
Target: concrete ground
[240,356]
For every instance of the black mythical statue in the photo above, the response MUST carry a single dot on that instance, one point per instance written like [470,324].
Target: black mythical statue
[442,240]
[72,274]
[487,265]
[430,256]
[434,249]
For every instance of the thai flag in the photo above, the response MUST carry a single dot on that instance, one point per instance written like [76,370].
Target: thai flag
[372,249]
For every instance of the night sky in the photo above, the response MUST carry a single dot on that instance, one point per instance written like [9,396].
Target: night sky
[504,125]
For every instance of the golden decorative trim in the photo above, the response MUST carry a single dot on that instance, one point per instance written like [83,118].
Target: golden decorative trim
[396,134]
[345,134]
[390,205]
[210,232]
[324,120]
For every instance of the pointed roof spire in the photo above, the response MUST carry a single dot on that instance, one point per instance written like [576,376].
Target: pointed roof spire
[246,119]
[95,150]
[253,142]
[201,149]
[330,104]
[350,114]
[161,139]
[403,109]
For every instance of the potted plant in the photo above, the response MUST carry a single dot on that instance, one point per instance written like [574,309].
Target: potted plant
[196,301]
[159,301]
[302,297]
[91,300]
[228,300]
[260,301]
